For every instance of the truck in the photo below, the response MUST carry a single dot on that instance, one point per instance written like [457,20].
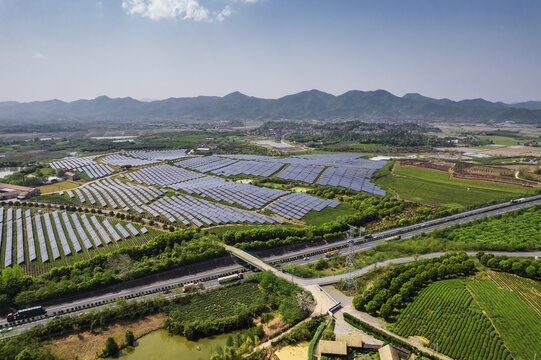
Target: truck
[26,313]
[516,201]
[230,278]
[329,254]
[190,286]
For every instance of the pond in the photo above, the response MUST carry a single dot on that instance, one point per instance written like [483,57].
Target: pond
[163,346]
[5,171]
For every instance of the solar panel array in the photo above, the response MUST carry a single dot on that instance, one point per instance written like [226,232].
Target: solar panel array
[41,239]
[44,234]
[122,231]
[63,241]
[189,210]
[246,195]
[95,170]
[351,178]
[205,164]
[30,236]
[296,205]
[20,236]
[306,173]
[8,261]
[162,175]
[118,194]
[74,163]
[122,160]
[346,170]
[256,168]
[161,155]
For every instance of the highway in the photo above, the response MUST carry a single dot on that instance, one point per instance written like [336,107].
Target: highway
[407,231]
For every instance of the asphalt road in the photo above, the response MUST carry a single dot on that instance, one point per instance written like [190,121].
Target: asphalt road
[405,232]
[379,237]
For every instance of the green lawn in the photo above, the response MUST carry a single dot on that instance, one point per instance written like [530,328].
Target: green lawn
[435,187]
[328,214]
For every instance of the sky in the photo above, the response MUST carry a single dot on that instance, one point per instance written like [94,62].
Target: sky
[156,49]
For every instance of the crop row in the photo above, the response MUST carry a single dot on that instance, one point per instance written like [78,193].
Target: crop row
[444,313]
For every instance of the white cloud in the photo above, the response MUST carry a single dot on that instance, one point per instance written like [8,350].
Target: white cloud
[224,13]
[38,56]
[177,9]
[160,9]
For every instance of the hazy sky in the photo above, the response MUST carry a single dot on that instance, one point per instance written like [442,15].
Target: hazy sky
[70,49]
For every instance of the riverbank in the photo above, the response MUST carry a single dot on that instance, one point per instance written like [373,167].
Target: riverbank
[87,343]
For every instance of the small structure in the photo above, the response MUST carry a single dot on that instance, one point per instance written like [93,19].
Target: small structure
[389,352]
[71,176]
[333,349]
[339,347]
[53,179]
[8,191]
[530,143]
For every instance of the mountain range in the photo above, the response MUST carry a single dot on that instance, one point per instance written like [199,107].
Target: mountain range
[306,105]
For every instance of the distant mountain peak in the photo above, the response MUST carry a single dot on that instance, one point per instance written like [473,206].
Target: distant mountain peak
[235,95]
[310,104]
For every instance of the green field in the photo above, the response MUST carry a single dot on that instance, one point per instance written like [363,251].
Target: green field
[435,187]
[505,299]
[326,215]
[218,303]
[502,140]
[446,314]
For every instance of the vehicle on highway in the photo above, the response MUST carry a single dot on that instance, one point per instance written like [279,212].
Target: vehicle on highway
[517,201]
[329,254]
[368,237]
[26,313]
[191,286]
[230,278]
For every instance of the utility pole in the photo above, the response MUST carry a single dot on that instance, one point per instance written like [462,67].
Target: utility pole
[350,258]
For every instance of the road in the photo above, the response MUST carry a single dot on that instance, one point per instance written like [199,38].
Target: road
[405,232]
[309,284]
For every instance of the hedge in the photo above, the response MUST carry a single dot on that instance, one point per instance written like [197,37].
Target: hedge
[314,340]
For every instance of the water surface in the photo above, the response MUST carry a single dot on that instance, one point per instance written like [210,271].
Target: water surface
[163,346]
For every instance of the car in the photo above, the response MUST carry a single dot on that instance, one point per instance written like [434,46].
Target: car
[166,291]
[306,258]
[368,236]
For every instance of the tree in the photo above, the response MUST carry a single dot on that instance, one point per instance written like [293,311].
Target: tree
[24,355]
[386,310]
[111,347]
[130,338]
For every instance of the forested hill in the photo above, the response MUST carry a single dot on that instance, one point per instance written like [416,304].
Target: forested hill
[313,104]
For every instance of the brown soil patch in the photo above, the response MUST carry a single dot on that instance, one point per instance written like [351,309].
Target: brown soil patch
[293,352]
[425,164]
[86,344]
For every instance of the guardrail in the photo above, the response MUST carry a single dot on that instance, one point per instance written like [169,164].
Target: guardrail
[100,303]
[385,235]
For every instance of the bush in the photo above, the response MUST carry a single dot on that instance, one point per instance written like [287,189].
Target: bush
[111,347]
[129,337]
